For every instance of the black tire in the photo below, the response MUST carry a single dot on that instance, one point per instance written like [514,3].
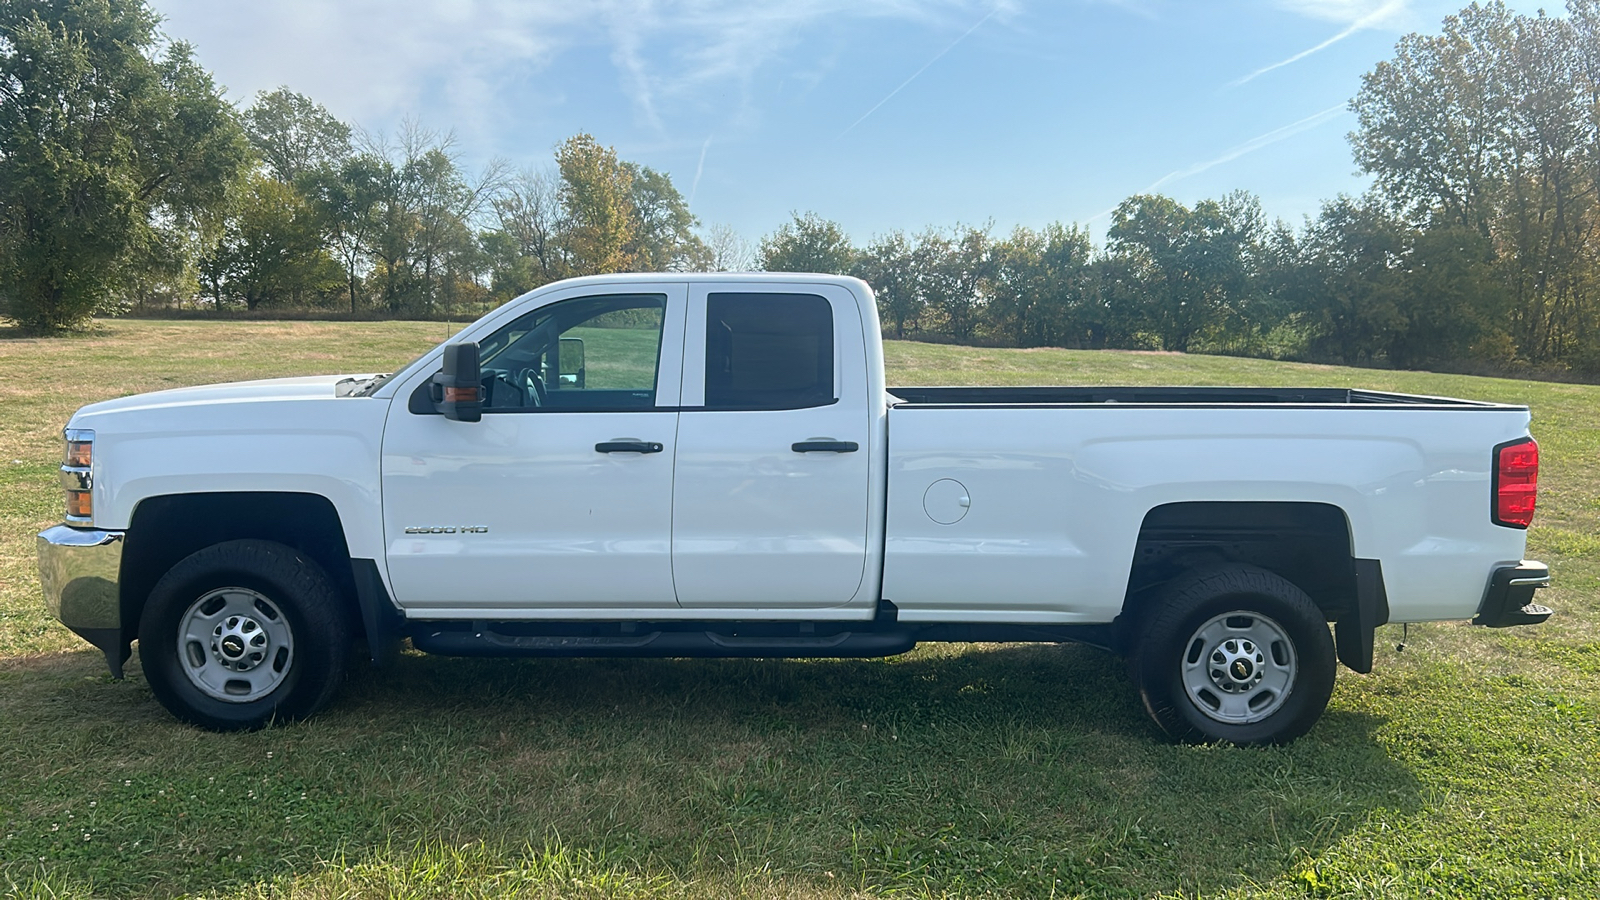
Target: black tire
[1237,654]
[278,649]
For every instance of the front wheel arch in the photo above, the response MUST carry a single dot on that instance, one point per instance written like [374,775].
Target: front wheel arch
[167,528]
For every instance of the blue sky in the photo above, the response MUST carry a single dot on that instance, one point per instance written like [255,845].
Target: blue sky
[880,114]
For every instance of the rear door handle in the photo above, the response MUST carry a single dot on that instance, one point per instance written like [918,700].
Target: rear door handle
[628,447]
[826,446]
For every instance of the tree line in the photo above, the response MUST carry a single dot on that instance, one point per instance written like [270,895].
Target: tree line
[1479,242]
[128,182]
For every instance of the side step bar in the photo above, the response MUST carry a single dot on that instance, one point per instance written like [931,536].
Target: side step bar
[1509,600]
[449,639]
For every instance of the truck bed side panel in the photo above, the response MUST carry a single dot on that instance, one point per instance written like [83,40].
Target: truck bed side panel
[1056,496]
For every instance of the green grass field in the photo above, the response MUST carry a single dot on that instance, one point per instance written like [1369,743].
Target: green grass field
[619,358]
[1466,765]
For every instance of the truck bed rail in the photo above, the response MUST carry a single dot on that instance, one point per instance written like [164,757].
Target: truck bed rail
[968,397]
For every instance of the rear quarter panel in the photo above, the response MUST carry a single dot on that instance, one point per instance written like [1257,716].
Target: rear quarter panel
[1057,497]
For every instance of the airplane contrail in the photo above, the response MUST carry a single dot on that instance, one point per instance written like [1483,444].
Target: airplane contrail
[1252,145]
[1238,150]
[699,167]
[914,75]
[1359,24]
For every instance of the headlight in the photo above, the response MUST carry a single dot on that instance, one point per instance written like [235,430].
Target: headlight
[76,476]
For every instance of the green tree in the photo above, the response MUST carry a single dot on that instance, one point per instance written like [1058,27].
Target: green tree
[1491,127]
[424,253]
[1368,287]
[1042,292]
[271,251]
[889,266]
[108,147]
[1193,267]
[597,204]
[596,214]
[953,274]
[528,249]
[510,272]
[295,135]
[1429,119]
[1545,235]
[663,238]
[1453,300]
[1348,281]
[809,243]
[347,203]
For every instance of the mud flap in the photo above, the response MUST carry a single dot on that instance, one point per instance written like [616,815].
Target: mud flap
[1354,632]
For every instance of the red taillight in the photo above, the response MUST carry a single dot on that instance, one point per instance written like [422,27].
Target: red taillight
[1516,482]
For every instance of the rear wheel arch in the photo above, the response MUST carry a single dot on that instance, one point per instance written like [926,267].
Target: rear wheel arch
[1308,544]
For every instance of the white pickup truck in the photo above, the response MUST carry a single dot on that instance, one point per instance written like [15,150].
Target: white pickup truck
[712,465]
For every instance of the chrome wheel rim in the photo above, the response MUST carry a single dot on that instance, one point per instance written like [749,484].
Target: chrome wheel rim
[235,645]
[1239,668]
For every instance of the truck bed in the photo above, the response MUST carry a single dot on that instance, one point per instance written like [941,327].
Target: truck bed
[1028,502]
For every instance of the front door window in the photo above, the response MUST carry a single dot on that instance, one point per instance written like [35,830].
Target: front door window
[589,354]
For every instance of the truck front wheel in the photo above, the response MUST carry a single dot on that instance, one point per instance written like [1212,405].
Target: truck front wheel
[242,634]
[1235,654]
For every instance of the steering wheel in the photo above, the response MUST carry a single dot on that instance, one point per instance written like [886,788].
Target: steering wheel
[532,385]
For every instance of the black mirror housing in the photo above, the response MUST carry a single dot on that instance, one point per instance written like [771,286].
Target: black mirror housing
[458,386]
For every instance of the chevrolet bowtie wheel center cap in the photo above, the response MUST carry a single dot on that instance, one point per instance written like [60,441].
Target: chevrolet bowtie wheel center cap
[1237,665]
[239,643]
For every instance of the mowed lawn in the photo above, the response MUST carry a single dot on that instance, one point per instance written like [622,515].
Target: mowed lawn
[1467,764]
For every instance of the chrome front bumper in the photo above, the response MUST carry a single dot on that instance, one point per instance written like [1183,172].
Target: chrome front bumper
[79,570]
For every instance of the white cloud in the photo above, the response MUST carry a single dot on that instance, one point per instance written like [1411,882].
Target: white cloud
[365,58]
[679,52]
[371,61]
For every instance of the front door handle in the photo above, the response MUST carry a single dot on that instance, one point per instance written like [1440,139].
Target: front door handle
[826,446]
[628,447]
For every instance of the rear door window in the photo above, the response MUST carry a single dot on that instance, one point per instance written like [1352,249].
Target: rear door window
[768,351]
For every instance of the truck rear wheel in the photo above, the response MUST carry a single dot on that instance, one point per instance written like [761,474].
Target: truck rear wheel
[241,634]
[1235,654]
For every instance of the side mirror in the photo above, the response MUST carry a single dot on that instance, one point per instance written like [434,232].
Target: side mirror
[458,388]
[570,352]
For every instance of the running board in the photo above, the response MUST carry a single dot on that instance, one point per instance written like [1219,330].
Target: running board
[482,640]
